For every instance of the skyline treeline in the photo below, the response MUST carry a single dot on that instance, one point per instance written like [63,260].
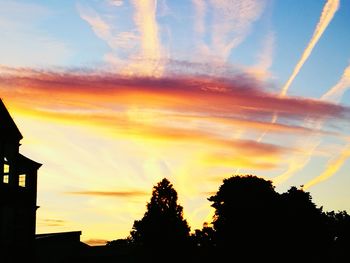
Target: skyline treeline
[252,223]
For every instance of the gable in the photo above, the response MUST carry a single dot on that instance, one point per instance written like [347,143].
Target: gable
[8,128]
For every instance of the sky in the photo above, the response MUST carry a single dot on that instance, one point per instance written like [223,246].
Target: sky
[111,96]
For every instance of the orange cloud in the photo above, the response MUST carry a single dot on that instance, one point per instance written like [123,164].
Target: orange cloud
[230,160]
[121,194]
[52,222]
[96,242]
[147,130]
[235,97]
[156,109]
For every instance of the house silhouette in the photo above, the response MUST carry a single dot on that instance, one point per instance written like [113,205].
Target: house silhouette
[18,205]
[18,193]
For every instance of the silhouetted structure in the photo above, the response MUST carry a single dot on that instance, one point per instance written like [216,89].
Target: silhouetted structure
[60,247]
[18,193]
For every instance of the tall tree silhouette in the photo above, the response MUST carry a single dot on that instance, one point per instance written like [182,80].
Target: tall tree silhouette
[163,224]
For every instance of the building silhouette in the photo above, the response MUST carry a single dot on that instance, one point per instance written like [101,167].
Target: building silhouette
[18,193]
[18,204]
[19,241]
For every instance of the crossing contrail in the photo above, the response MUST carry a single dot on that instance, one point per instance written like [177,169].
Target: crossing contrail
[327,15]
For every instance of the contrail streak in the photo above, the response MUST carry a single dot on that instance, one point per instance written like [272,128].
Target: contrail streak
[338,90]
[334,94]
[297,163]
[328,12]
[332,167]
[327,15]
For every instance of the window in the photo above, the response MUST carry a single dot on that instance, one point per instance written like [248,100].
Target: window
[6,172]
[6,179]
[22,180]
[6,168]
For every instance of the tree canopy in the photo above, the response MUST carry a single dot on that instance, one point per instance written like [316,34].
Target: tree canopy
[245,215]
[252,222]
[163,223]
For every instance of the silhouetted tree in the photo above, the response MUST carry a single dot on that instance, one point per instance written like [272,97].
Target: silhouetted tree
[339,225]
[252,223]
[203,238]
[203,245]
[120,243]
[305,226]
[162,225]
[246,214]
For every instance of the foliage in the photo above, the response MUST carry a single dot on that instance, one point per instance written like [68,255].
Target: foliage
[339,225]
[163,223]
[252,223]
[119,243]
[244,207]
[203,238]
[245,215]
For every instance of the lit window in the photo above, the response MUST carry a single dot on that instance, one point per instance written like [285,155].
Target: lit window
[6,179]
[6,168]
[22,180]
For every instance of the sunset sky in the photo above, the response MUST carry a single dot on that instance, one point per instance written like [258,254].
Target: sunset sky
[111,96]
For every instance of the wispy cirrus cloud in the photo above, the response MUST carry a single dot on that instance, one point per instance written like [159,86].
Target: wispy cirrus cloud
[231,22]
[137,51]
[200,12]
[151,48]
[115,2]
[140,51]
[121,43]
[264,59]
